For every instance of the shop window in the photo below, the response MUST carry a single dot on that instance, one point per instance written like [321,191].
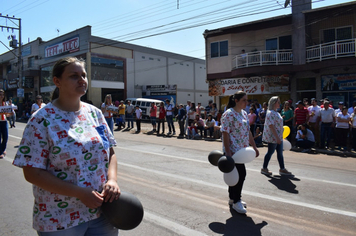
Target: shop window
[219,49]
[107,69]
[306,84]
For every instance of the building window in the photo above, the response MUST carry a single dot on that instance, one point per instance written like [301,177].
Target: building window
[8,69]
[107,69]
[219,49]
[283,42]
[330,35]
[31,62]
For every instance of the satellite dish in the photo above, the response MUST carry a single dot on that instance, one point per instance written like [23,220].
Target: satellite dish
[287,2]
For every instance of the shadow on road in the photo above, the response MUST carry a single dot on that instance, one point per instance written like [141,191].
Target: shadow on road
[241,225]
[284,183]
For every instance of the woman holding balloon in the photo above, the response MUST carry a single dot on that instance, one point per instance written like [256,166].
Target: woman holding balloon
[273,135]
[236,135]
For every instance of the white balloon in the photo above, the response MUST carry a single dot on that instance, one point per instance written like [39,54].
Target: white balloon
[286,145]
[244,155]
[232,177]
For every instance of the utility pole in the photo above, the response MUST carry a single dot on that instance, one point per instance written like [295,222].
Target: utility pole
[13,44]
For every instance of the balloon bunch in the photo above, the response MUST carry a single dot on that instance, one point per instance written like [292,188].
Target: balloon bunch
[286,144]
[227,164]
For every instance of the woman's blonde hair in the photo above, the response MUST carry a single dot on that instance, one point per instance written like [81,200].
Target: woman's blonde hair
[108,96]
[272,101]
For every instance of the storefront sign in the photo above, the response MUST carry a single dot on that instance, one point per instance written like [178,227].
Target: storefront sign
[20,93]
[251,85]
[338,82]
[67,46]
[13,83]
[160,92]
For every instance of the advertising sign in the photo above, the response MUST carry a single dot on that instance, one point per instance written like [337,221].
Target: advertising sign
[338,82]
[67,46]
[7,109]
[251,85]
[20,93]
[160,92]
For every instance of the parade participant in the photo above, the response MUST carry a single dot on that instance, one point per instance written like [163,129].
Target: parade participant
[108,114]
[12,115]
[67,154]
[4,128]
[273,135]
[342,128]
[153,116]
[130,109]
[38,104]
[161,117]
[236,135]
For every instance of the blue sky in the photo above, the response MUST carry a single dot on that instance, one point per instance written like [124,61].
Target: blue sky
[160,24]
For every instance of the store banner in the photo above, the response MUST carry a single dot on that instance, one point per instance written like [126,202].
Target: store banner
[251,85]
[67,46]
[338,82]
[160,92]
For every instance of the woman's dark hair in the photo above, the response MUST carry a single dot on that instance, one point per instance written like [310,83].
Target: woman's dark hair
[211,117]
[193,107]
[59,68]
[238,95]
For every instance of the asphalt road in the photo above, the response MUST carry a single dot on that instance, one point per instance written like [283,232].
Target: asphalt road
[183,194]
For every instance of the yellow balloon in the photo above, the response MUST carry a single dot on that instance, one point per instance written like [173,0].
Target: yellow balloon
[286,131]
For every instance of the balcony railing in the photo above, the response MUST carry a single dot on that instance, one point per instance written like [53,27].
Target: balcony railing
[331,50]
[261,58]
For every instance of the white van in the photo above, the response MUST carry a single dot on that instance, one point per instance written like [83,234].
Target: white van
[145,105]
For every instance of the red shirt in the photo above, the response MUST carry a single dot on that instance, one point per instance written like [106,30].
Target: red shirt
[162,113]
[301,115]
[153,111]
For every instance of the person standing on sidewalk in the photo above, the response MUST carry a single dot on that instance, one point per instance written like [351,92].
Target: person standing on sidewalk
[130,109]
[273,135]
[314,113]
[161,117]
[108,114]
[138,113]
[327,117]
[70,160]
[169,117]
[353,125]
[181,119]
[4,128]
[236,135]
[153,116]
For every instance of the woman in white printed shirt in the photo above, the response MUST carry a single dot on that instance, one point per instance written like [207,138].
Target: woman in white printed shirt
[67,153]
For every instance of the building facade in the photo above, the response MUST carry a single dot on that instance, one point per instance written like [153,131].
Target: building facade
[120,69]
[307,54]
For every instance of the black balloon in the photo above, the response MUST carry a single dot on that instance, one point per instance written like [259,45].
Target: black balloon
[214,157]
[226,164]
[124,213]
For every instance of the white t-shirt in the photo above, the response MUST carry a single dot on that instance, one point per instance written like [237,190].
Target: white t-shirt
[73,146]
[138,113]
[316,111]
[353,115]
[169,109]
[327,115]
[35,107]
[342,125]
[106,113]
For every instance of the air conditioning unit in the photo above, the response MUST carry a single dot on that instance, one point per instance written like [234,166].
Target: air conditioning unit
[13,43]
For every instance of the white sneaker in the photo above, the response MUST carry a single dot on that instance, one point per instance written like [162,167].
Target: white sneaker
[231,201]
[239,207]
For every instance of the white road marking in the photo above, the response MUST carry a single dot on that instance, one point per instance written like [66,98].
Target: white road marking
[207,162]
[254,194]
[174,227]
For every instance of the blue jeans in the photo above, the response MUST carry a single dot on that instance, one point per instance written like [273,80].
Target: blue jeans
[129,118]
[271,148]
[110,122]
[4,135]
[170,123]
[12,120]
[325,129]
[100,226]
